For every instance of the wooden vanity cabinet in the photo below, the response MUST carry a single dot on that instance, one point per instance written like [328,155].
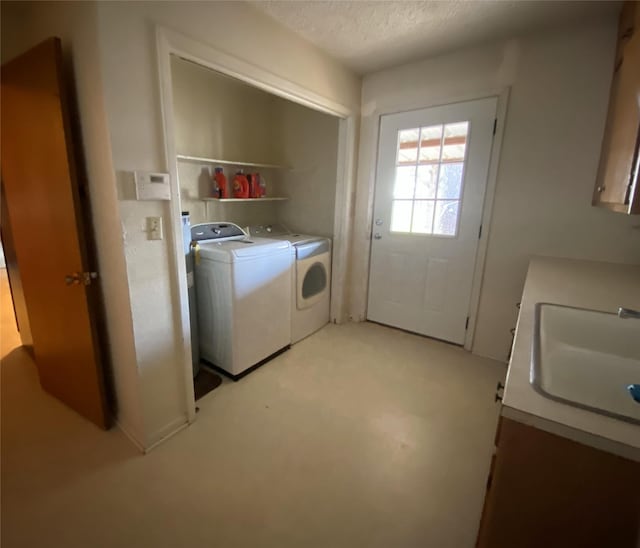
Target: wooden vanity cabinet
[544,490]
[617,186]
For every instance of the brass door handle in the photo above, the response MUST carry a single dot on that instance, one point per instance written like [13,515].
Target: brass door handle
[77,278]
[72,279]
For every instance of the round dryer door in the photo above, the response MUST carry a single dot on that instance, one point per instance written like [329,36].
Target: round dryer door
[312,273]
[315,281]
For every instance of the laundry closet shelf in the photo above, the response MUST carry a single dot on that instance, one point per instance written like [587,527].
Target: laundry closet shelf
[266,199]
[203,160]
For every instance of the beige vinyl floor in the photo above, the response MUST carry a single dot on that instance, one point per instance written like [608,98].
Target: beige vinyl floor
[359,436]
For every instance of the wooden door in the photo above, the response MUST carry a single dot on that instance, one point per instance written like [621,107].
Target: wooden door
[617,186]
[41,187]
[430,185]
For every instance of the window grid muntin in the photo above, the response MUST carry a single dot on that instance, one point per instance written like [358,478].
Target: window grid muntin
[461,139]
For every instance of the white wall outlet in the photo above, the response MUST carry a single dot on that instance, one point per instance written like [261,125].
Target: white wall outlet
[154,228]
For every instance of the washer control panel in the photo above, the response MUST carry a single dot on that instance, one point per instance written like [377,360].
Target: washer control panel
[217,231]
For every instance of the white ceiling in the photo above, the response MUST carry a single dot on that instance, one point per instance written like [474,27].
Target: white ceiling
[372,35]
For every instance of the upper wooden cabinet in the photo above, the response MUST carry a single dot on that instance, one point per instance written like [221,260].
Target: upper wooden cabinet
[617,186]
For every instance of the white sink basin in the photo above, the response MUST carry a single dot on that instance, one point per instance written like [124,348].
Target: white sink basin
[587,359]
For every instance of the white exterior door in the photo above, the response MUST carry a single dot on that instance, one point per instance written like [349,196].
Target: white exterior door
[430,185]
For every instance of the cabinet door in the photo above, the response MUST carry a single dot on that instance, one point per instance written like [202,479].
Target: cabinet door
[617,183]
[546,490]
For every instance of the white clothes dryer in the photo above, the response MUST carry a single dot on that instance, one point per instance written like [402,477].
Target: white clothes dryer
[311,278]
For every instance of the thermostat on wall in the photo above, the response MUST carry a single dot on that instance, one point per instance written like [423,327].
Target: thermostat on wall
[152,186]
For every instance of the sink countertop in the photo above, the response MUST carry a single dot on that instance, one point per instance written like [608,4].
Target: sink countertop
[583,284]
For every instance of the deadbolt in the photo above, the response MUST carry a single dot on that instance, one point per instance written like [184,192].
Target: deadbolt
[379,222]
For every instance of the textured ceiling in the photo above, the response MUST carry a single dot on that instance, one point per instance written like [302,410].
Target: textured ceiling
[372,35]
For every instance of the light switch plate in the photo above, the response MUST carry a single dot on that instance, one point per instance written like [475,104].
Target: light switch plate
[154,228]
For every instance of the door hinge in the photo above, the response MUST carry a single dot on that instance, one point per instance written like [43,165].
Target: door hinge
[495,125]
[466,324]
[480,232]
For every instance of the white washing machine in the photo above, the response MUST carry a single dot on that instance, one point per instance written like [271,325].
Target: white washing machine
[244,297]
[311,278]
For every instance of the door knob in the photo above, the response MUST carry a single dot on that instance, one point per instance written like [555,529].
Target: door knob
[377,236]
[72,279]
[77,278]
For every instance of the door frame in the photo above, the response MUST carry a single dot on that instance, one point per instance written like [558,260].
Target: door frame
[169,42]
[368,196]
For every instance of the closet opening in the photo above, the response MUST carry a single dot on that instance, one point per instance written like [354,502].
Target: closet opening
[262,182]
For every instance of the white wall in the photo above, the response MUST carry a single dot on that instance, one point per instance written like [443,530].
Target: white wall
[559,92]
[129,67]
[310,146]
[220,117]
[23,26]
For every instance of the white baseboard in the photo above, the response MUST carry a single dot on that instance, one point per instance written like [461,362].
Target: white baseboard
[129,434]
[158,437]
[166,432]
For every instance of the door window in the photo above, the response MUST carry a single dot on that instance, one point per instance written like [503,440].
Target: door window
[429,173]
